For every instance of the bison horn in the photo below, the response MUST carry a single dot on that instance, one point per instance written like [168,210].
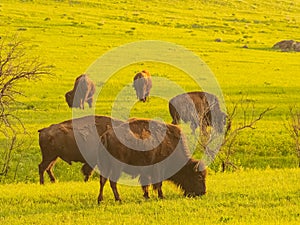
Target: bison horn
[200,166]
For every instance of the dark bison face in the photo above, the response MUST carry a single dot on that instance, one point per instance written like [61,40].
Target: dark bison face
[220,122]
[69,98]
[71,101]
[199,185]
[194,179]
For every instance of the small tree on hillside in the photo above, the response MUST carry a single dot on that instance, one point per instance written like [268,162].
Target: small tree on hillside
[15,68]
[293,127]
[245,108]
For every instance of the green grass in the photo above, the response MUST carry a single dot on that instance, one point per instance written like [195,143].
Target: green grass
[71,35]
[244,197]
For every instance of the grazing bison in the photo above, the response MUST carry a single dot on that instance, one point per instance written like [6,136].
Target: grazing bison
[58,140]
[155,152]
[287,45]
[82,92]
[142,84]
[200,108]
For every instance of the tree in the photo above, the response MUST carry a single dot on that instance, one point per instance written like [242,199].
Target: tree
[225,149]
[293,127]
[16,66]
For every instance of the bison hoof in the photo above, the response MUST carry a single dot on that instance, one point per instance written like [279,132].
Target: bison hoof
[100,199]
[146,197]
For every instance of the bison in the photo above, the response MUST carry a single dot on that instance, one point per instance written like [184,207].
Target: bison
[287,45]
[155,152]
[83,91]
[142,84]
[202,109]
[58,140]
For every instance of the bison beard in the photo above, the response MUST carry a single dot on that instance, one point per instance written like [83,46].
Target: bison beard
[153,150]
[58,141]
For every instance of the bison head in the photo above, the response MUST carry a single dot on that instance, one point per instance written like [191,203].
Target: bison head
[219,121]
[191,178]
[196,183]
[70,100]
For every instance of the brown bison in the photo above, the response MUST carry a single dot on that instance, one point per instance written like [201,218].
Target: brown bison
[287,45]
[155,152]
[83,91]
[142,84]
[58,140]
[200,108]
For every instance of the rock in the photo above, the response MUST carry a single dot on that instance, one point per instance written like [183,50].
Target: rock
[287,46]
[297,47]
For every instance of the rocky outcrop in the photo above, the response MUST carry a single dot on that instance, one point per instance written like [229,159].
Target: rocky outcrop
[287,46]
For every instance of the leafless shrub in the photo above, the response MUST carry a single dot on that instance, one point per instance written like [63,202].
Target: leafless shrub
[246,110]
[293,127]
[15,68]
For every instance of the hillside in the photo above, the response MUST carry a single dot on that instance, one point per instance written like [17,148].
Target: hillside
[71,35]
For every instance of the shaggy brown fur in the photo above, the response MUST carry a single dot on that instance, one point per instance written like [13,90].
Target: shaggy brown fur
[153,150]
[58,140]
[197,108]
[83,91]
[142,84]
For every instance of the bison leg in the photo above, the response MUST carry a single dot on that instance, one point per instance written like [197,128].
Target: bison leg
[145,182]
[146,191]
[102,183]
[81,104]
[50,172]
[87,171]
[90,102]
[158,186]
[113,186]
[47,165]
[41,172]
[193,126]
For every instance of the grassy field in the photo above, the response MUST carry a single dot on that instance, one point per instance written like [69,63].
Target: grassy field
[72,35]
[245,197]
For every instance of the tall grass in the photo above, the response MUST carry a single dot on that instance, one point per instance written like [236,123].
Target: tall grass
[244,197]
[71,35]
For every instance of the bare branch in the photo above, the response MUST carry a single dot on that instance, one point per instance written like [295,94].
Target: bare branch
[15,67]
[244,108]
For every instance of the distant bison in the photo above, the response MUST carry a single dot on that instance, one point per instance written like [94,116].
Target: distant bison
[82,92]
[287,45]
[58,140]
[152,150]
[142,84]
[200,108]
